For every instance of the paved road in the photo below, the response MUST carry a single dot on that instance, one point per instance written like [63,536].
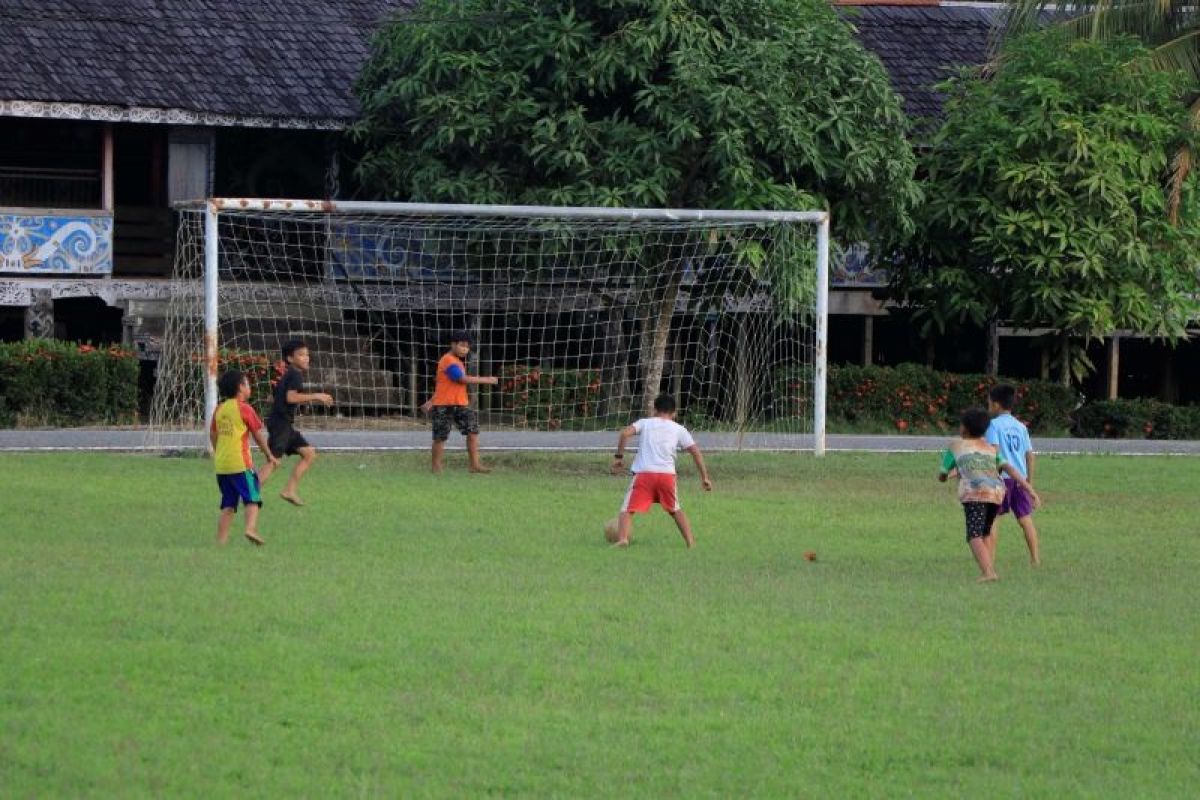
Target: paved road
[131,439]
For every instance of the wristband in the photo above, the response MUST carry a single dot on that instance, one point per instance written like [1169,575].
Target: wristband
[618,455]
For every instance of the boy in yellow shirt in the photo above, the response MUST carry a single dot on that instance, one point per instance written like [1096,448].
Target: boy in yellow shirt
[234,422]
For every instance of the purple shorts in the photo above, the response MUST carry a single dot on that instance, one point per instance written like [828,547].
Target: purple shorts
[1016,500]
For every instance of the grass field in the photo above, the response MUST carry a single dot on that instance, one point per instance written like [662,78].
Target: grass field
[406,636]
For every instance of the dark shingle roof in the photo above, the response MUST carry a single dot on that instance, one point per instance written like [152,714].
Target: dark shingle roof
[923,45]
[278,58]
[298,59]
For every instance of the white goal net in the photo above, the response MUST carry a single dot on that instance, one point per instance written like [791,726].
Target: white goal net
[583,315]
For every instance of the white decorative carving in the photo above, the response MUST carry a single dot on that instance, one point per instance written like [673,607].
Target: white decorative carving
[162,116]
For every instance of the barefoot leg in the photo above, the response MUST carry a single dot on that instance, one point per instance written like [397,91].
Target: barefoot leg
[307,456]
[685,527]
[223,524]
[473,454]
[1031,539]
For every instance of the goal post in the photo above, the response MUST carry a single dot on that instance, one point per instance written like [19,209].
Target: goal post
[583,314]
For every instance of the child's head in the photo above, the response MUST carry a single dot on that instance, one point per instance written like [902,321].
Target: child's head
[233,384]
[1001,398]
[295,352]
[664,406]
[460,343]
[975,423]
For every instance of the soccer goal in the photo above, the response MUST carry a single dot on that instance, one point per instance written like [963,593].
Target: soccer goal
[583,314]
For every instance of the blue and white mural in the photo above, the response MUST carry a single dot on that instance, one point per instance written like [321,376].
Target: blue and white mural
[72,244]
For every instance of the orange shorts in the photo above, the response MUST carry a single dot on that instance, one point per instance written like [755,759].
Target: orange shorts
[648,488]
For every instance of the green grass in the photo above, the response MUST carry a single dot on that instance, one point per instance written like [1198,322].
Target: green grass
[405,636]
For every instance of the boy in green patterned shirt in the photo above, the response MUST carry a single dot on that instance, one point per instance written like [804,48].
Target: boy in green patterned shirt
[980,488]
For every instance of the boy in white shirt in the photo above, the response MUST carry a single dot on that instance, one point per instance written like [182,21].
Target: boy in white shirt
[654,468]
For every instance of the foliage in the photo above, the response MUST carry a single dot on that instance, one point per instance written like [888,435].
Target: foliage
[759,104]
[1047,205]
[256,366]
[1136,419]
[58,383]
[1169,28]
[912,398]
[544,399]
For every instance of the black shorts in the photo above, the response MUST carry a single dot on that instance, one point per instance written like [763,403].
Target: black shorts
[283,439]
[980,517]
[446,418]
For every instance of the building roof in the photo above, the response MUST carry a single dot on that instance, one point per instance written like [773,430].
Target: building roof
[293,63]
[234,62]
[921,46]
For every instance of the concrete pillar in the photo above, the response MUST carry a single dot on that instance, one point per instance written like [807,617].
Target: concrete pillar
[1114,366]
[39,315]
[868,348]
[106,170]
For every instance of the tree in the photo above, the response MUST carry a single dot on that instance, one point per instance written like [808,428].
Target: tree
[1169,28]
[1047,204]
[743,104]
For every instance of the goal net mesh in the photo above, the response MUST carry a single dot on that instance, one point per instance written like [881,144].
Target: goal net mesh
[582,321]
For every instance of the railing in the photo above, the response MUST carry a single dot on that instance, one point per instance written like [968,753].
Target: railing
[44,187]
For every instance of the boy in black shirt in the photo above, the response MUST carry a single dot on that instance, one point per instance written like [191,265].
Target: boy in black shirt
[283,438]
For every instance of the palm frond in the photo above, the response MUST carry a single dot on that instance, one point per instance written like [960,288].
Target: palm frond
[1180,54]
[1181,167]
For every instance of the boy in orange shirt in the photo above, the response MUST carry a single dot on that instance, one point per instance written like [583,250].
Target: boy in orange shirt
[233,423]
[449,403]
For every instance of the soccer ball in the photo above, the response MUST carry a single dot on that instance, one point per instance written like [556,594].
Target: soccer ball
[610,531]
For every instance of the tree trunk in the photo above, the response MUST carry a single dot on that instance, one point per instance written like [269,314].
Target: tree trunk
[655,335]
[743,380]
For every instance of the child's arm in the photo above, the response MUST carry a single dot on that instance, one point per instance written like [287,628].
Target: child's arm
[295,398]
[618,465]
[1019,479]
[705,481]
[1030,461]
[948,466]
[212,434]
[474,380]
[261,439]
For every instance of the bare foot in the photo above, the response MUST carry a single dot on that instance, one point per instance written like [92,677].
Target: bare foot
[988,578]
[622,545]
[480,470]
[1036,562]
[254,538]
[291,498]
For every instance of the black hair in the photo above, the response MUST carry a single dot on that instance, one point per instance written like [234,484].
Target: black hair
[1003,395]
[664,404]
[229,383]
[975,421]
[461,335]
[291,346]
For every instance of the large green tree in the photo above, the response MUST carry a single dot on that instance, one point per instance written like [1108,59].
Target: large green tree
[1047,199]
[744,104]
[1170,29]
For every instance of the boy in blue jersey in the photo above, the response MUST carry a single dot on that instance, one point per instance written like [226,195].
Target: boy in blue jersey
[1011,438]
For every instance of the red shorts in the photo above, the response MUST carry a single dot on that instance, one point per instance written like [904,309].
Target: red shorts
[649,488]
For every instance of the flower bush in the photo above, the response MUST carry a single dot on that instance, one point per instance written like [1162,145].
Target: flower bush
[1136,419]
[258,368]
[544,399]
[52,382]
[917,399]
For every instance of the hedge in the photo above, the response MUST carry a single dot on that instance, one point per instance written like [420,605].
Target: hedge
[1136,419]
[914,398]
[544,399]
[51,382]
